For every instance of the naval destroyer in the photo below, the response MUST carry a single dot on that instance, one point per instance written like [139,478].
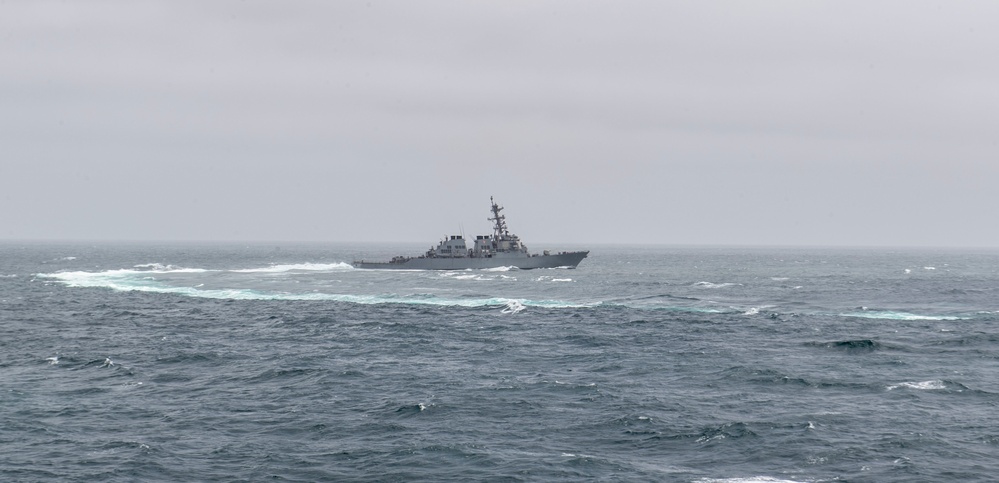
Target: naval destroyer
[501,249]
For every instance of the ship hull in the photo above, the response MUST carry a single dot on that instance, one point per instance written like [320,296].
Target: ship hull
[565,259]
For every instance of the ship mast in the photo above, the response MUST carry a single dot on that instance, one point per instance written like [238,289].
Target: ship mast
[500,220]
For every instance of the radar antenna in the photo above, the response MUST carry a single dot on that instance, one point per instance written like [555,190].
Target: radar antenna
[500,221]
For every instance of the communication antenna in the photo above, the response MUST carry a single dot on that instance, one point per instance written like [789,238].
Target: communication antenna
[500,221]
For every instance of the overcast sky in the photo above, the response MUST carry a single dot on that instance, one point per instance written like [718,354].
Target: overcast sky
[748,123]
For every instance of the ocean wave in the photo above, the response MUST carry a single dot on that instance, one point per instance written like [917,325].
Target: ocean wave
[715,285]
[897,315]
[749,479]
[856,345]
[662,307]
[476,275]
[931,385]
[726,431]
[161,268]
[470,276]
[924,385]
[500,269]
[550,278]
[513,306]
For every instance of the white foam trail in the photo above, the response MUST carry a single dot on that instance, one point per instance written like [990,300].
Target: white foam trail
[125,279]
[139,281]
[303,267]
[160,268]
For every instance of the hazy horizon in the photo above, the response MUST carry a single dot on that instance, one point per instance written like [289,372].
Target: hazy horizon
[764,124]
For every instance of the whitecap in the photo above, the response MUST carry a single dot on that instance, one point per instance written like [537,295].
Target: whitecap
[149,265]
[706,439]
[550,278]
[750,479]
[714,285]
[894,315]
[499,269]
[934,385]
[929,268]
[160,268]
[53,360]
[513,306]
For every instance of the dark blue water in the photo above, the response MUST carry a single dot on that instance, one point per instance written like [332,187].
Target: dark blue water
[235,363]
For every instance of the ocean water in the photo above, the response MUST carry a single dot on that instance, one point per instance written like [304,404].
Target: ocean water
[185,362]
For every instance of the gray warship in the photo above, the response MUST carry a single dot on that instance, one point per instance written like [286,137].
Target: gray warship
[501,249]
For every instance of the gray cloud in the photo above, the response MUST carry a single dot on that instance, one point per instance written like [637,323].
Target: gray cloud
[851,123]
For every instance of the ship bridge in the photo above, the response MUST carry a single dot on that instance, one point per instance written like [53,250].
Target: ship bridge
[452,247]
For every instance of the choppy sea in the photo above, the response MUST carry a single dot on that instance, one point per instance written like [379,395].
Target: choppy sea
[281,362]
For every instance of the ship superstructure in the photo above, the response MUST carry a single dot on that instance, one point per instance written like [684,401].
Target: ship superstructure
[501,249]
